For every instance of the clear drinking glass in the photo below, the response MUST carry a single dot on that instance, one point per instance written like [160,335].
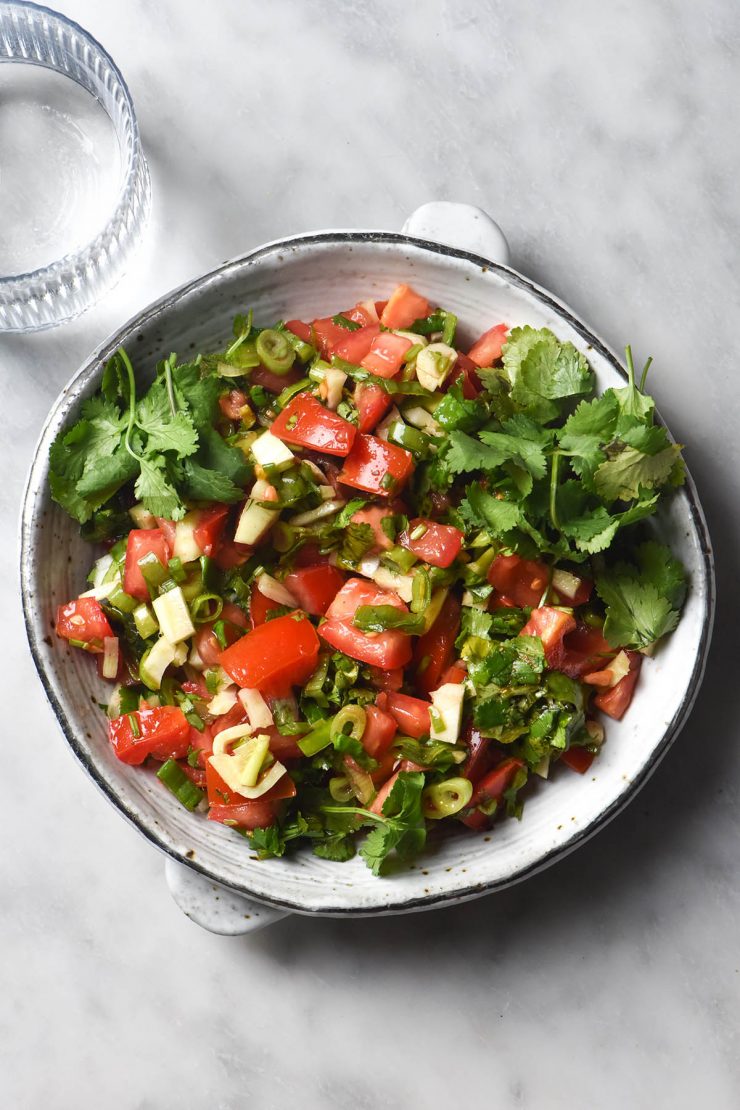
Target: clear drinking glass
[74,190]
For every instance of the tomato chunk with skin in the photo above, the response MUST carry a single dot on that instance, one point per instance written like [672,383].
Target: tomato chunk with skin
[374,516]
[385,356]
[387,650]
[439,545]
[314,588]
[305,422]
[279,654]
[82,620]
[358,591]
[303,331]
[246,813]
[523,580]
[616,702]
[142,542]
[584,650]
[232,403]
[372,403]
[488,349]
[551,625]
[207,645]
[410,714]
[163,732]
[578,759]
[433,651]
[404,307]
[380,731]
[357,344]
[376,466]
[327,335]
[210,527]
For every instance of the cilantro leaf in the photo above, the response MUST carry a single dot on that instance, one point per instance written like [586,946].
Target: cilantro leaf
[481,510]
[203,484]
[628,472]
[402,827]
[642,601]
[543,371]
[156,491]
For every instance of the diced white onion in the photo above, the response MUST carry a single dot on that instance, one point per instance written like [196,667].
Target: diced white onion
[257,708]
[369,565]
[222,702]
[110,656]
[274,590]
[223,741]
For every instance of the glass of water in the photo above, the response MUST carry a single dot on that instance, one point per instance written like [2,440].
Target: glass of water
[74,184]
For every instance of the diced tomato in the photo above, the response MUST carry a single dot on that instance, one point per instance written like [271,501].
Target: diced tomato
[464,375]
[205,642]
[501,601]
[209,529]
[231,554]
[523,580]
[237,715]
[455,675]
[196,688]
[141,542]
[578,759]
[384,357]
[388,681]
[481,755]
[372,403]
[303,331]
[232,403]
[403,308]
[487,350]
[373,462]
[380,731]
[551,625]
[363,313]
[256,813]
[389,650]
[163,732]
[616,702]
[83,620]
[384,770]
[309,556]
[278,654]
[169,529]
[356,344]
[197,775]
[314,588]
[374,515]
[283,747]
[273,383]
[383,792]
[493,786]
[305,422]
[410,714]
[202,742]
[358,591]
[327,335]
[585,650]
[439,545]
[433,651]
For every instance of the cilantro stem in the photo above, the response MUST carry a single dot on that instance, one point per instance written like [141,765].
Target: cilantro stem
[131,402]
[359,811]
[630,365]
[643,379]
[242,337]
[554,467]
[168,379]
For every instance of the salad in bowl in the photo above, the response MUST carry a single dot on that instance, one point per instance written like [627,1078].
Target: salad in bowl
[357,583]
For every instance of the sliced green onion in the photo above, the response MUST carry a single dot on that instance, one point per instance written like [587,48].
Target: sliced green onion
[177,570]
[206,607]
[304,350]
[352,715]
[403,435]
[444,799]
[219,631]
[316,740]
[244,358]
[418,532]
[274,350]
[134,725]
[341,789]
[448,328]
[153,571]
[421,592]
[290,391]
[145,621]
[401,558]
[178,783]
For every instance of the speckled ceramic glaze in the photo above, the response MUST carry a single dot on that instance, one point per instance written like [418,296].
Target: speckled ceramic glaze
[306,277]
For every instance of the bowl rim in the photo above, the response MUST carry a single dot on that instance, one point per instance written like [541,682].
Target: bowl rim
[92,365]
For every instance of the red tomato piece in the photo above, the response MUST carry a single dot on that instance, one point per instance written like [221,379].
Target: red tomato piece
[585,650]
[358,591]
[374,515]
[163,732]
[501,601]
[327,335]
[456,674]
[206,644]
[142,542]
[616,702]
[230,555]
[388,650]
[481,755]
[384,357]
[202,742]
[209,529]
[363,313]
[493,786]
[372,403]
[387,681]
[551,625]
[404,307]
[309,556]
[384,770]
[281,653]
[464,375]
[380,797]
[305,422]
[578,759]
[314,588]
[380,732]
[273,383]
[523,580]
[410,714]
[487,350]
[433,651]
[439,545]
[373,462]
[232,403]
[356,344]
[83,620]
[283,747]
[303,331]
[169,528]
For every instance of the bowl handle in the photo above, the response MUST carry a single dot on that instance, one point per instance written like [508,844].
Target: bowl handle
[459,225]
[214,907]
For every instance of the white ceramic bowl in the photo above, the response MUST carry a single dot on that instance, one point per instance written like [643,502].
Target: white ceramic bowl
[305,277]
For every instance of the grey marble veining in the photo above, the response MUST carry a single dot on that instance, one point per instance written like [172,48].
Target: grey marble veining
[604,142]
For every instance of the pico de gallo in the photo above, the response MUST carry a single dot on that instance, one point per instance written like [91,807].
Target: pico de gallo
[365,577]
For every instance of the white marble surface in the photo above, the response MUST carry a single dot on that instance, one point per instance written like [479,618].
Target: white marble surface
[604,141]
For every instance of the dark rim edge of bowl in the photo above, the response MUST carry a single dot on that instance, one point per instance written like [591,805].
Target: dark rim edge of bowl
[425,902]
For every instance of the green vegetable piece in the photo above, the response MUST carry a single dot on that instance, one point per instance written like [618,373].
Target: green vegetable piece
[274,350]
[444,799]
[177,782]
